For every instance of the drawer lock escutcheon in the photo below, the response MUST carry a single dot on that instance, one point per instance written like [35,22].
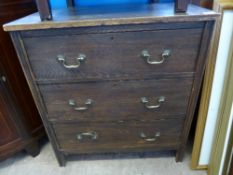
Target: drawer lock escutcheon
[149,139]
[63,61]
[92,135]
[146,55]
[146,102]
[73,104]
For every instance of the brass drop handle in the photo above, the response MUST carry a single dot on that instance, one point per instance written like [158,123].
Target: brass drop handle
[92,135]
[149,139]
[73,104]
[79,59]
[146,55]
[145,101]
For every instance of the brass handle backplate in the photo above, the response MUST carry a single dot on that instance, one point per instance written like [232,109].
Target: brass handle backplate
[79,59]
[149,139]
[146,55]
[73,104]
[146,102]
[92,135]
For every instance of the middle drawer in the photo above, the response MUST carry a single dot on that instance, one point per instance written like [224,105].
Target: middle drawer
[117,100]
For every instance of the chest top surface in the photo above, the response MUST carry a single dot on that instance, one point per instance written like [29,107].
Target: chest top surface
[111,15]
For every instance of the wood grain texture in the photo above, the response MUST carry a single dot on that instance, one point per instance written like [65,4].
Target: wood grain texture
[117,96]
[21,52]
[113,137]
[113,29]
[9,131]
[113,15]
[201,62]
[13,131]
[10,64]
[17,105]
[113,55]
[117,100]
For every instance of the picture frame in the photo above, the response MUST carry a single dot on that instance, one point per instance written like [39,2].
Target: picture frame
[219,6]
[222,147]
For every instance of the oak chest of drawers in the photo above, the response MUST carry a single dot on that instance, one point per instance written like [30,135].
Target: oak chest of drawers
[115,82]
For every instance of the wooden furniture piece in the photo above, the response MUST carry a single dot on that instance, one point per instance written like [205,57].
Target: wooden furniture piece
[20,123]
[45,12]
[109,82]
[206,3]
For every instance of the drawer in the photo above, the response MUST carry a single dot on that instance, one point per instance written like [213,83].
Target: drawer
[113,55]
[104,137]
[117,100]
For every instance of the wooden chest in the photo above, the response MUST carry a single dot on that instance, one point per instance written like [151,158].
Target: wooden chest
[115,82]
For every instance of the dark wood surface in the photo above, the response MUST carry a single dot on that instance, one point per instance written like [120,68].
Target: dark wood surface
[117,96]
[113,55]
[9,131]
[206,3]
[44,9]
[200,68]
[117,100]
[181,5]
[16,104]
[115,137]
[112,15]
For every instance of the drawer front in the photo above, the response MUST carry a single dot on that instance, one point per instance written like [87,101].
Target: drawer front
[104,137]
[113,55]
[117,100]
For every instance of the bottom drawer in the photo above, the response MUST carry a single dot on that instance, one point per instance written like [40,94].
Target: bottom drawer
[113,137]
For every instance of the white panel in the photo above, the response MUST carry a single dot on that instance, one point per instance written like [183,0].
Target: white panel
[222,55]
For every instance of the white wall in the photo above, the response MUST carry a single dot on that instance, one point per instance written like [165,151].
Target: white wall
[222,55]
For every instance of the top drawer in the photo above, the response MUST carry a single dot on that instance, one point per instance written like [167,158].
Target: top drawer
[135,54]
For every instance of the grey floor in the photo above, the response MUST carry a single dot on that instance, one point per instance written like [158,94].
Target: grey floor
[162,163]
